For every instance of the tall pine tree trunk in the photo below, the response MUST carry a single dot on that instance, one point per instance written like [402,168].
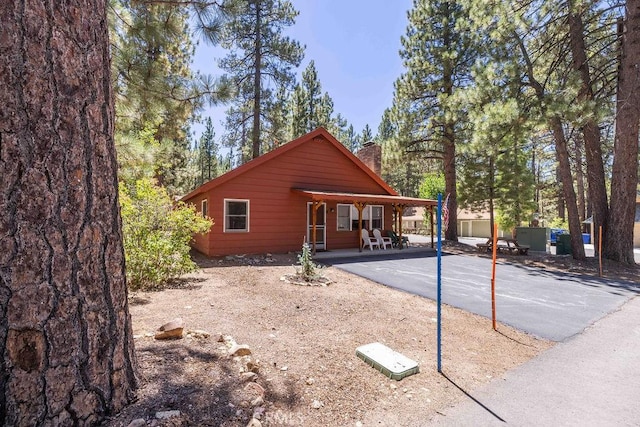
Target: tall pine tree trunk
[577,246]
[66,349]
[449,159]
[618,241]
[257,85]
[582,205]
[590,129]
[564,164]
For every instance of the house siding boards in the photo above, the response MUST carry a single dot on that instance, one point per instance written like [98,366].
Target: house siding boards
[278,215]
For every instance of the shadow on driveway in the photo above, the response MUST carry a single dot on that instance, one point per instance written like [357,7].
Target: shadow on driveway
[550,304]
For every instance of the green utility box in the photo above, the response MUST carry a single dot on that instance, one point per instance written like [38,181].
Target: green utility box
[563,244]
[534,237]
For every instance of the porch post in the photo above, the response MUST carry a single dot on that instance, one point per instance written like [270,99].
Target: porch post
[399,209]
[395,217]
[360,206]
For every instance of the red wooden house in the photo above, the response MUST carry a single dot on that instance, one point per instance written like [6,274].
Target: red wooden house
[274,202]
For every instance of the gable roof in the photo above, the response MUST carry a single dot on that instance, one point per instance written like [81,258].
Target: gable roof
[318,133]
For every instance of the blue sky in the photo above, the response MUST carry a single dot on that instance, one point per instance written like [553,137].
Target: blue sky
[354,44]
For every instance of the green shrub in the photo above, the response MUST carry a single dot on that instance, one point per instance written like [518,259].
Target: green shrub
[307,266]
[156,234]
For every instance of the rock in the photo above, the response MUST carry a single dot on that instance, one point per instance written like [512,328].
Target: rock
[254,388]
[253,367]
[220,338]
[249,376]
[170,330]
[240,350]
[199,333]
[317,404]
[358,424]
[258,412]
[138,422]
[136,337]
[310,381]
[164,415]
[257,401]
[284,368]
[254,423]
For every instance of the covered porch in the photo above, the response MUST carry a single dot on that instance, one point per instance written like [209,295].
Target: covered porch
[318,198]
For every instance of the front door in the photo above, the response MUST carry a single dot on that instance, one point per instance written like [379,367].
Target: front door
[321,232]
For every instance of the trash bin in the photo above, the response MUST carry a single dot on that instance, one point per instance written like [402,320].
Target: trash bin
[563,244]
[586,238]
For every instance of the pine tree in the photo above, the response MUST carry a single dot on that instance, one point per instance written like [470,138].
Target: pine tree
[619,242]
[352,140]
[66,342]
[338,128]
[207,154]
[260,57]
[537,46]
[438,54]
[367,134]
[153,84]
[311,108]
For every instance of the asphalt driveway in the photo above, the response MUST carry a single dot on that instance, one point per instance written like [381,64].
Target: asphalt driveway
[547,304]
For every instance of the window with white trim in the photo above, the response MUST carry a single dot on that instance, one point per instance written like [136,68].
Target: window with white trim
[372,217]
[344,217]
[236,215]
[204,208]
[376,217]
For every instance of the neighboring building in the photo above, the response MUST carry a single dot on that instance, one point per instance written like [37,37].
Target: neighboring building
[475,224]
[274,202]
[413,220]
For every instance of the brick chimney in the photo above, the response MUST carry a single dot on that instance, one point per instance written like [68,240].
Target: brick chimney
[371,155]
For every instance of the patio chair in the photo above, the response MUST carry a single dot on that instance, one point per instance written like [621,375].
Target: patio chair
[395,239]
[384,241]
[369,241]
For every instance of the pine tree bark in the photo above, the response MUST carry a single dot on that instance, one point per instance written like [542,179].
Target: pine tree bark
[590,129]
[569,193]
[618,241]
[66,348]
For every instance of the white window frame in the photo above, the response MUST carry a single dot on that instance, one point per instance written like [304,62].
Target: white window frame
[367,215]
[233,230]
[204,207]
[338,206]
[381,216]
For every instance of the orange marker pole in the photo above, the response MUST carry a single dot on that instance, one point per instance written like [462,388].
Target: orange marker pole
[493,276]
[600,248]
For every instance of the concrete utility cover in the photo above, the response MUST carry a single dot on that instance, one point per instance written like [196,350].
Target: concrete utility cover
[391,363]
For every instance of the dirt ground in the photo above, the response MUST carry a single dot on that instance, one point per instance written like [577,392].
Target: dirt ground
[303,341]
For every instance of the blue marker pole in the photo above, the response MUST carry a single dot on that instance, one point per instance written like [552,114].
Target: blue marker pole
[439,275]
